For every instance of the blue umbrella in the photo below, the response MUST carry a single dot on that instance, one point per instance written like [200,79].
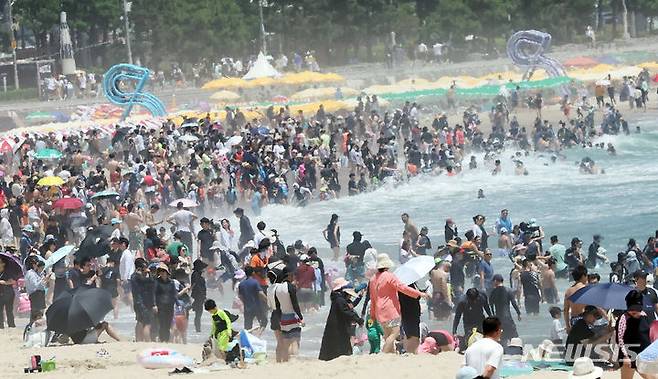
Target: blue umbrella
[59,255]
[606,296]
[105,194]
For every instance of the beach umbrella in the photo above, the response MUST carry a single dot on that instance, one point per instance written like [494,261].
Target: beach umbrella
[7,146]
[235,140]
[187,203]
[78,310]
[68,203]
[96,243]
[105,194]
[119,134]
[414,269]
[606,296]
[189,138]
[13,266]
[49,181]
[190,124]
[58,255]
[48,154]
[224,95]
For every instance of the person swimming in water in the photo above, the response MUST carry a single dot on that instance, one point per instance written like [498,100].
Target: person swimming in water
[481,194]
[611,149]
[497,168]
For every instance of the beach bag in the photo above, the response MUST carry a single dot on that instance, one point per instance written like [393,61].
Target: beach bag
[24,307]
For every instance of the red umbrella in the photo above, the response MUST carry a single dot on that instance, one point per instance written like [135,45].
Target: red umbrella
[68,203]
[7,146]
[581,62]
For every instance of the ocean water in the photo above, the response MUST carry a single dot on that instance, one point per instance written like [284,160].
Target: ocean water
[620,204]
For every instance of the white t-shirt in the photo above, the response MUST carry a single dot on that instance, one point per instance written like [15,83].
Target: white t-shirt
[127,264]
[482,353]
[558,332]
[183,219]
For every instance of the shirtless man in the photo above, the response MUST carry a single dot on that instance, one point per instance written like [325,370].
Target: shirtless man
[441,298]
[133,221]
[573,311]
[409,227]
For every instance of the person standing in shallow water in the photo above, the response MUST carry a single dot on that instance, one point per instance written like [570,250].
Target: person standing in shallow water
[332,235]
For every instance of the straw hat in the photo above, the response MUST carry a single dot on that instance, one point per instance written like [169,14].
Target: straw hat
[339,283]
[452,243]
[163,267]
[383,261]
[583,368]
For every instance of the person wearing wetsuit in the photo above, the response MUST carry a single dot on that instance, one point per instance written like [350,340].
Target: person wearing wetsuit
[500,299]
[472,307]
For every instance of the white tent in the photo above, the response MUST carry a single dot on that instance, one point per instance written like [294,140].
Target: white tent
[261,69]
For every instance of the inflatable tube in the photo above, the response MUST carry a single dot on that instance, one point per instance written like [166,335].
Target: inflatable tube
[526,49]
[116,94]
[163,358]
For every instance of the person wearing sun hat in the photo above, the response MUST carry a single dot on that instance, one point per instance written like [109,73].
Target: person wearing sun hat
[384,301]
[632,333]
[165,299]
[337,332]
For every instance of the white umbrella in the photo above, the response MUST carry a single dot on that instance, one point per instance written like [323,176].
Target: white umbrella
[187,203]
[58,255]
[189,138]
[190,124]
[415,269]
[235,140]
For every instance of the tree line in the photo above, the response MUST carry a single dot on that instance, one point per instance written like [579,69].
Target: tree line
[338,31]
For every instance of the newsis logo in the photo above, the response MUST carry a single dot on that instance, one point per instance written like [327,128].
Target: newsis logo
[555,353]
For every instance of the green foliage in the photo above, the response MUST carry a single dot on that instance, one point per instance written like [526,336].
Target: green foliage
[183,31]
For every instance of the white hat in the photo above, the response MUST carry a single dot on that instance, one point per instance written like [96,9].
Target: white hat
[383,261]
[515,342]
[583,368]
[217,245]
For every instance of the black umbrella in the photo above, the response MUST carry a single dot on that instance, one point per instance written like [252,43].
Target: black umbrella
[120,133]
[96,242]
[77,310]
[13,266]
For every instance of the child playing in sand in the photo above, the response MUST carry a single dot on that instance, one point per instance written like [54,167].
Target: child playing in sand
[558,332]
[375,333]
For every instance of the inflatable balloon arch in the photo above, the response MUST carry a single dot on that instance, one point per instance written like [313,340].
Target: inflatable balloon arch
[527,49]
[124,86]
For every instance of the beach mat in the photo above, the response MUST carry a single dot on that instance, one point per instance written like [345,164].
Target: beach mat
[518,368]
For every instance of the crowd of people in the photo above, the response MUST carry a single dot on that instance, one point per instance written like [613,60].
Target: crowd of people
[135,204]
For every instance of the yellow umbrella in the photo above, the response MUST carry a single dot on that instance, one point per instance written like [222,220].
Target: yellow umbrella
[649,65]
[224,95]
[225,83]
[49,181]
[323,93]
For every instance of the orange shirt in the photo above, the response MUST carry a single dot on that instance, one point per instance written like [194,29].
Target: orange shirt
[259,265]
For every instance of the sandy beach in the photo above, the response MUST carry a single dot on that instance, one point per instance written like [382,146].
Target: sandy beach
[77,360]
